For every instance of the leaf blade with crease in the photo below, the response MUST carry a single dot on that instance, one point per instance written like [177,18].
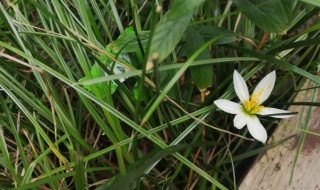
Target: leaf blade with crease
[201,75]
[170,29]
[272,15]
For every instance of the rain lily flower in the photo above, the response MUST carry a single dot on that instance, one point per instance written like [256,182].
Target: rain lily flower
[249,107]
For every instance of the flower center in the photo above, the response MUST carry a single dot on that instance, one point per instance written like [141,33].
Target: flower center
[252,106]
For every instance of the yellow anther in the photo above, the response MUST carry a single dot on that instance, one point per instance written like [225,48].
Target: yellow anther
[256,109]
[247,105]
[251,106]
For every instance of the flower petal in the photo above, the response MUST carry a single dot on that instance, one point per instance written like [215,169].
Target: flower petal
[256,129]
[240,87]
[264,88]
[240,120]
[268,111]
[228,106]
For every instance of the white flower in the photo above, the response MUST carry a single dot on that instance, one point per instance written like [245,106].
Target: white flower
[250,106]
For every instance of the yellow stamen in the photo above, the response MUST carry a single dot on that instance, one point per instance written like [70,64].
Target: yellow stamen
[247,105]
[252,106]
[256,109]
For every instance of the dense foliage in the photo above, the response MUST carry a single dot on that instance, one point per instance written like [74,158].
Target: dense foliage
[69,120]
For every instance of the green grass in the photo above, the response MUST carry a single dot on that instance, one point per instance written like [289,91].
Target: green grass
[56,134]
